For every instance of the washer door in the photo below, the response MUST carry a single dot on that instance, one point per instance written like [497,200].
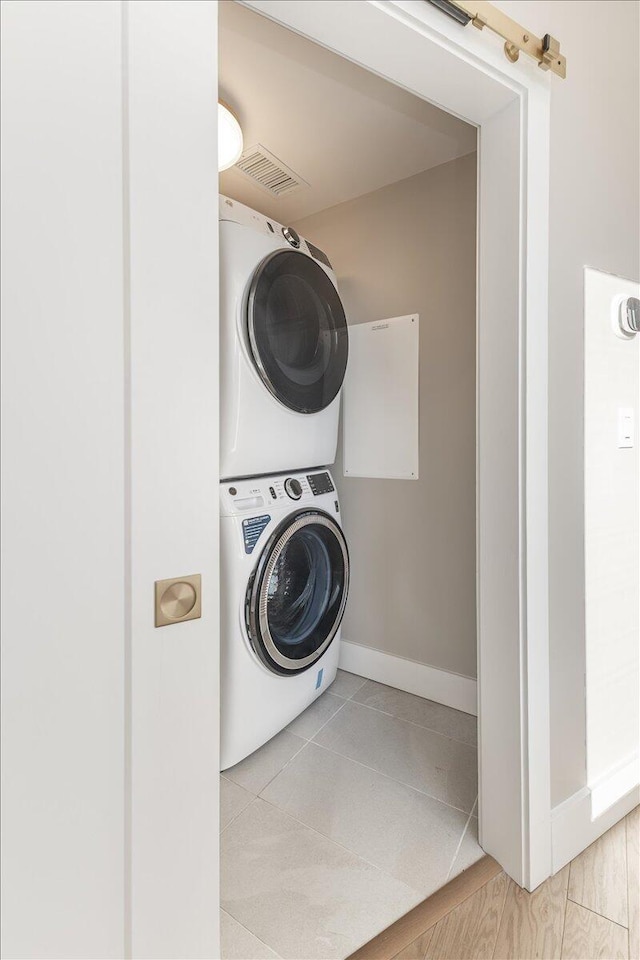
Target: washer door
[296,598]
[298,331]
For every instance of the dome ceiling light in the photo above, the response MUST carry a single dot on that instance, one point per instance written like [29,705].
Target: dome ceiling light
[229,137]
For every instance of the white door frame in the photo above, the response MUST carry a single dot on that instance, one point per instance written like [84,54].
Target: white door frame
[417,47]
[149,69]
[171,251]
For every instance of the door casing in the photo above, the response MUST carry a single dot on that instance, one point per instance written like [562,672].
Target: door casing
[464,72]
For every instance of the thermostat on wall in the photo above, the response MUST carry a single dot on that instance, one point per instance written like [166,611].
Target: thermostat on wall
[626,317]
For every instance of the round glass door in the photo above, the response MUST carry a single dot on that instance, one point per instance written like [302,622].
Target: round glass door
[298,331]
[296,599]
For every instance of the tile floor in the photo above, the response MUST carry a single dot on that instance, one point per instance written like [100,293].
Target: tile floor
[357,811]
[590,910]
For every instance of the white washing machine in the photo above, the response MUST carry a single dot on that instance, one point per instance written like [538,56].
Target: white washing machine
[284,585]
[283,347]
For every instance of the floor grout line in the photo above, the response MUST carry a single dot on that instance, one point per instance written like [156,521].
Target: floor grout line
[466,827]
[343,704]
[254,796]
[315,734]
[413,723]
[402,783]
[419,895]
[286,764]
[351,852]
[364,680]
[305,741]
[359,762]
[255,935]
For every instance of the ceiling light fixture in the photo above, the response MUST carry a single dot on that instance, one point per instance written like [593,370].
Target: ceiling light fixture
[229,137]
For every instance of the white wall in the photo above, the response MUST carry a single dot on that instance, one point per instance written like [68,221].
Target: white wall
[594,204]
[411,248]
[612,540]
[63,492]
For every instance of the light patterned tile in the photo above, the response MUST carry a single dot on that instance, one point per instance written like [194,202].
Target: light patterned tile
[299,892]
[255,771]
[237,943]
[233,800]
[426,713]
[443,768]
[346,684]
[404,832]
[315,716]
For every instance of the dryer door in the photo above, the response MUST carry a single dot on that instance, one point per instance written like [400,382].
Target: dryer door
[296,598]
[298,331]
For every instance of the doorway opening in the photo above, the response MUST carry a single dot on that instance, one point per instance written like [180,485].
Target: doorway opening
[367,799]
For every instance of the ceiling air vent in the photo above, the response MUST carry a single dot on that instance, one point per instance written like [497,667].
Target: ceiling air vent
[265,170]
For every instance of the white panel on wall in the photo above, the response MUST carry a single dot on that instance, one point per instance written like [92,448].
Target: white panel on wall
[612,545]
[381,397]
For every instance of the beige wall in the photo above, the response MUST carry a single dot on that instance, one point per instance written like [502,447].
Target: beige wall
[410,248]
[594,203]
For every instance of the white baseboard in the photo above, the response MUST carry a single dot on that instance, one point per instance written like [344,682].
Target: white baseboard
[615,784]
[450,689]
[573,830]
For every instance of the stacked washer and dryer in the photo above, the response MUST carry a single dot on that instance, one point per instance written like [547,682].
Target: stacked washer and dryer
[285,562]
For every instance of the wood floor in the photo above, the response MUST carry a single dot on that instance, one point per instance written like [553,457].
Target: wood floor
[590,910]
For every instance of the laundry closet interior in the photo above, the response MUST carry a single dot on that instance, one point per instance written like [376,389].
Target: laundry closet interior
[347,497]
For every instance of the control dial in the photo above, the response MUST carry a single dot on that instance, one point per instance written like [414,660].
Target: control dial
[293,488]
[291,236]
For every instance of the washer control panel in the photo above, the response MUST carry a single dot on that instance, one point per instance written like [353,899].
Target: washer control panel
[293,488]
[320,483]
[256,496]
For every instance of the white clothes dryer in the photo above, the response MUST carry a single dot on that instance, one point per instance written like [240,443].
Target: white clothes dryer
[284,586]
[283,347]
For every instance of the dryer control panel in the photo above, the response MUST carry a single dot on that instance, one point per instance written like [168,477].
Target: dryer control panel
[253,496]
[237,212]
[320,483]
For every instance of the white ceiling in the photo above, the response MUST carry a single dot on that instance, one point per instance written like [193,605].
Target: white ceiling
[343,130]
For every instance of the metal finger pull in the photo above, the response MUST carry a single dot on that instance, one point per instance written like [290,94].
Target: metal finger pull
[178,599]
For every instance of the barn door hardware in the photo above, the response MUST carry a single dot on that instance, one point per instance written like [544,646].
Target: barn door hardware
[517,39]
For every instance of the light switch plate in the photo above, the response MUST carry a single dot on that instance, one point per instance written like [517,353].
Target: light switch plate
[625,427]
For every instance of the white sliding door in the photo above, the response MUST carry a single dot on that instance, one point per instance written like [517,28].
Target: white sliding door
[63,533]
[173,302]
[109,377]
